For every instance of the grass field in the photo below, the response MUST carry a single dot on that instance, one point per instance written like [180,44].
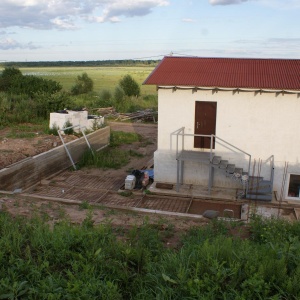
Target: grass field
[103,77]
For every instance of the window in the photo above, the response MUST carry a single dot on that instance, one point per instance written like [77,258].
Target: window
[294,186]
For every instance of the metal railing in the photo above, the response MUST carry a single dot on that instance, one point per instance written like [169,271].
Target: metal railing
[180,133]
[64,144]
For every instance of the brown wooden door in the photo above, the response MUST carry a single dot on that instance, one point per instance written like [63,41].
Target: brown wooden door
[205,123]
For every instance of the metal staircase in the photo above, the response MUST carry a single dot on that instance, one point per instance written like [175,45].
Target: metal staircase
[254,187]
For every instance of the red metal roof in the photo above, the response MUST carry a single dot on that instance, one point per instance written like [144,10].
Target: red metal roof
[278,74]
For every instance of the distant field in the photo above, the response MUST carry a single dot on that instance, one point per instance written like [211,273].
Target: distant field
[103,77]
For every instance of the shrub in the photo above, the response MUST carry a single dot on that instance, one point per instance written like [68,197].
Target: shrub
[84,84]
[69,130]
[129,86]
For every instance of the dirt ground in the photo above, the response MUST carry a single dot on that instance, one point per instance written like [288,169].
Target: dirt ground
[13,150]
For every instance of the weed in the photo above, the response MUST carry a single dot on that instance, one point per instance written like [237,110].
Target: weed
[53,130]
[126,193]
[61,213]
[135,153]
[89,262]
[69,129]
[88,222]
[111,212]
[118,138]
[20,135]
[84,205]
[107,158]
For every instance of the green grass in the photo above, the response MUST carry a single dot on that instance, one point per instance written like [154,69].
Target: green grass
[28,130]
[103,77]
[112,157]
[118,138]
[91,262]
[108,158]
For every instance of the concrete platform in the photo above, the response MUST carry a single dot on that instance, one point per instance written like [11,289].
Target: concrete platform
[198,191]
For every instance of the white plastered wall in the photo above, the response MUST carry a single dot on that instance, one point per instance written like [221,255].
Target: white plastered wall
[75,118]
[261,124]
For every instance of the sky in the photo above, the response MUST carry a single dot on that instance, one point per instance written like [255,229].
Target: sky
[83,30]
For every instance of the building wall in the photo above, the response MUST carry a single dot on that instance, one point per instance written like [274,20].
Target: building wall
[260,124]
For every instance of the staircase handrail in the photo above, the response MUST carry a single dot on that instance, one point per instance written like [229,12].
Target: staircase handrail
[249,156]
[231,145]
[180,131]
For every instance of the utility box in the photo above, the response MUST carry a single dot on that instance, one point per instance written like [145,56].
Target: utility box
[87,122]
[130,182]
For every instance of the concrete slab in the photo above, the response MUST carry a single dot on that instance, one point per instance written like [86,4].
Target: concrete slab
[197,191]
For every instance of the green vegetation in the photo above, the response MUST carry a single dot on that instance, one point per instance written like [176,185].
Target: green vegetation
[30,94]
[84,84]
[91,262]
[104,77]
[118,138]
[27,130]
[112,157]
[129,86]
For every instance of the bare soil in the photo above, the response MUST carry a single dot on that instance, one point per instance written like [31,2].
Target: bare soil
[13,150]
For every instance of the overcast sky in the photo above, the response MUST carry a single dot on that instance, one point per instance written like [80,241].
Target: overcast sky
[50,30]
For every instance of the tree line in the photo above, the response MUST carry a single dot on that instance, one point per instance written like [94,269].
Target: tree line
[95,63]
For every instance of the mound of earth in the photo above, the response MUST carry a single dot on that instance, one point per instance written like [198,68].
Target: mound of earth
[13,150]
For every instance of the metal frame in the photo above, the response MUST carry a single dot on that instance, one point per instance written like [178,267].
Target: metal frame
[65,146]
[180,157]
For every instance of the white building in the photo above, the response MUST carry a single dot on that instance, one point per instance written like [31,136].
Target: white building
[245,115]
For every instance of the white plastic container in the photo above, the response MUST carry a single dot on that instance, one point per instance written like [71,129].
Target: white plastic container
[130,182]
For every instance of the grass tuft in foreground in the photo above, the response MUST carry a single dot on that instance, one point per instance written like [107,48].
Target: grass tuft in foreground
[90,262]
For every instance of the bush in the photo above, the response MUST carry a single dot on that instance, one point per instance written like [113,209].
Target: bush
[69,130]
[130,86]
[84,84]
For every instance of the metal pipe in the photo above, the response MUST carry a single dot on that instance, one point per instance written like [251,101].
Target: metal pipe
[88,143]
[182,137]
[68,153]
[211,147]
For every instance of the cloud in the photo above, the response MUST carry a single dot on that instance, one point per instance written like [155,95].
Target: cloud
[276,4]
[226,2]
[11,44]
[187,20]
[63,14]
[130,8]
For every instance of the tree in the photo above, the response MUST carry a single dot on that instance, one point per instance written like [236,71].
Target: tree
[84,84]
[8,76]
[129,86]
